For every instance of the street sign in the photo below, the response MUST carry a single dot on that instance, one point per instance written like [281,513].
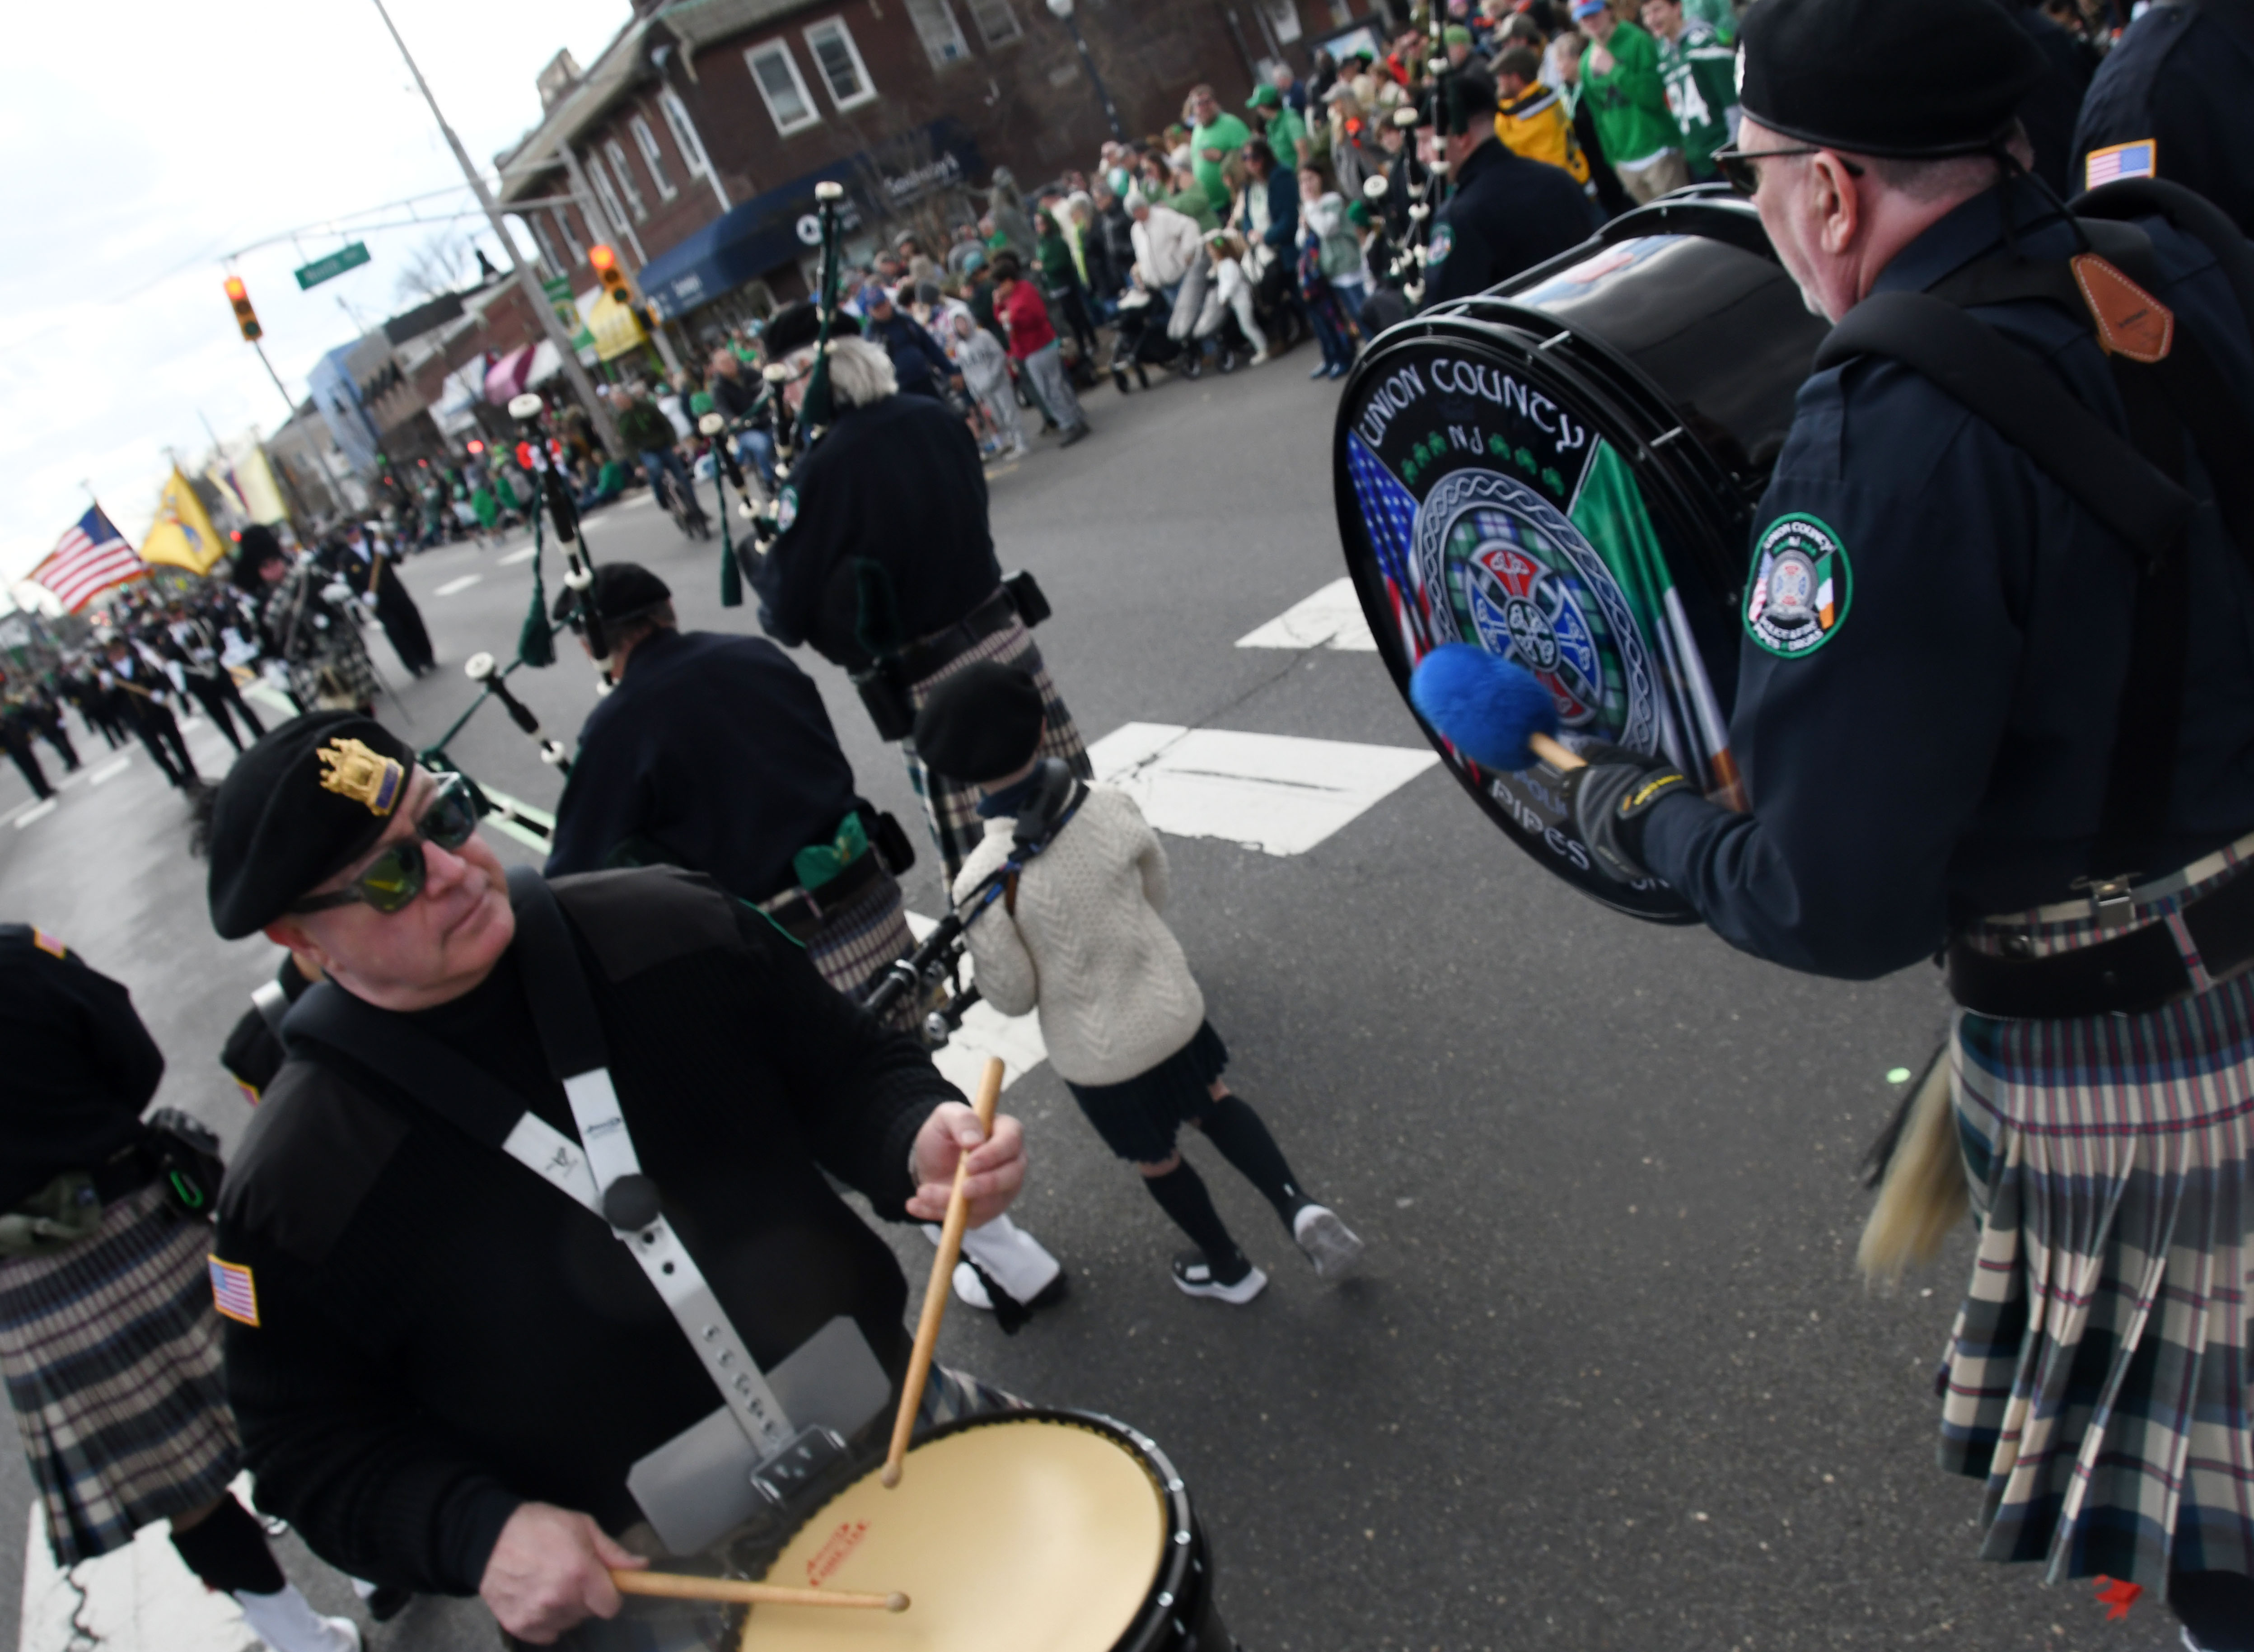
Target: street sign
[567,311]
[351,256]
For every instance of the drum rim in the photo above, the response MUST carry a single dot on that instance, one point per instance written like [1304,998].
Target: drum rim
[1174,1588]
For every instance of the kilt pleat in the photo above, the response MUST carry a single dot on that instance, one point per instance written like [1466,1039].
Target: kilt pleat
[861,938]
[950,807]
[111,1353]
[2101,1371]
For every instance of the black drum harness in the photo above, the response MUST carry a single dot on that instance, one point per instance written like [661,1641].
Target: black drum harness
[2135,486]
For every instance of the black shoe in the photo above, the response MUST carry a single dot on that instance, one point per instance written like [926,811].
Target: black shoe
[388,1601]
[1236,1284]
[1119,378]
[1073,435]
[1141,377]
[1193,365]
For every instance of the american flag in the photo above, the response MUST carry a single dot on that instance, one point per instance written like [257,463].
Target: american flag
[89,559]
[234,1292]
[2140,159]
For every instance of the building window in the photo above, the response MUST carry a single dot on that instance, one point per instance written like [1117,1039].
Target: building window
[555,265]
[1284,17]
[653,158]
[775,73]
[936,27]
[616,150]
[995,21]
[570,237]
[839,59]
[684,134]
[609,198]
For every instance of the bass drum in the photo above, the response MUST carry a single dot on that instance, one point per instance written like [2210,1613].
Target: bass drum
[1563,471]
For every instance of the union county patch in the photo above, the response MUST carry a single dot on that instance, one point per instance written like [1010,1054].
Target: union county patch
[1800,588]
[233,1292]
[786,509]
[1444,242]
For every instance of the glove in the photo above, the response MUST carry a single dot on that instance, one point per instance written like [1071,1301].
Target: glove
[1609,798]
[367,600]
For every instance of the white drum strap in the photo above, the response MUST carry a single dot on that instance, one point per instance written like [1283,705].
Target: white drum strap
[586,1177]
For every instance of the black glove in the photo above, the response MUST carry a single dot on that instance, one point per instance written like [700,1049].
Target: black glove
[1609,798]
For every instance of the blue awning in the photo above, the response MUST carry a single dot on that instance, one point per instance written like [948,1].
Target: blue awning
[777,228]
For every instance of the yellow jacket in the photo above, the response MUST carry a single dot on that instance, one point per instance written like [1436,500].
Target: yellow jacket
[1538,126]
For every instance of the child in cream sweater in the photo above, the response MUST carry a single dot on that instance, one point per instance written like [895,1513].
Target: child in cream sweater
[1074,931]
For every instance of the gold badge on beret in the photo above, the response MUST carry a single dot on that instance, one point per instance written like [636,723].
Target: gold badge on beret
[352,769]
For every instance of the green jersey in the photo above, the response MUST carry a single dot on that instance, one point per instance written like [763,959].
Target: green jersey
[1285,128]
[1226,134]
[1701,75]
[1630,102]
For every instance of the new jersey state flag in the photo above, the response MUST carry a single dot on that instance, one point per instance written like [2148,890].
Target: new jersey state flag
[182,534]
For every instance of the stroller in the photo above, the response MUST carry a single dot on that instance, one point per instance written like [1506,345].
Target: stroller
[1143,341]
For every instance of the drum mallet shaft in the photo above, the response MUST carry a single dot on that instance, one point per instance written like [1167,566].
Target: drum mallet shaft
[942,1283]
[1554,754]
[677,1586]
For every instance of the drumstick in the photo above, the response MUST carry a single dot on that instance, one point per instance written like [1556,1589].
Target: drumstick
[677,1586]
[942,1276]
[1554,754]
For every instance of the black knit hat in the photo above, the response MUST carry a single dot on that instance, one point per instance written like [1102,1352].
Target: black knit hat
[982,722]
[1904,79]
[298,808]
[796,325]
[257,547]
[621,590]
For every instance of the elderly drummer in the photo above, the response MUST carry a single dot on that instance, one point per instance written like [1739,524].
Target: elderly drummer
[446,1366]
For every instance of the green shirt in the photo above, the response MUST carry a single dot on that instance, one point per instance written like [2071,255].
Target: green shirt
[1226,134]
[1630,103]
[1701,76]
[1285,128]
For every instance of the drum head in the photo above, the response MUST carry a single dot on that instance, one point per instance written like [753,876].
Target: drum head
[1025,1533]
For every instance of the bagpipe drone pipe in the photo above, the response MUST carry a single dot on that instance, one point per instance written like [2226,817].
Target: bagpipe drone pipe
[1562,471]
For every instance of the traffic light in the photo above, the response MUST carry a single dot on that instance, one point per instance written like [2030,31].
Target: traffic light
[605,264]
[245,317]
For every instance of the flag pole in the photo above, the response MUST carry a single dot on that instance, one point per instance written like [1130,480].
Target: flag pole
[597,410]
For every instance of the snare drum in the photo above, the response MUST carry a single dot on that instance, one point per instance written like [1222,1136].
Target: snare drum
[1026,1531]
[1562,471]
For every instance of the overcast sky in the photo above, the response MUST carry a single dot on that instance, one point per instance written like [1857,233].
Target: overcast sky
[147,141]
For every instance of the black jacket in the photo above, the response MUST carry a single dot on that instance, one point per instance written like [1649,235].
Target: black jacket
[918,363]
[81,1066]
[884,535]
[441,1334]
[1508,213]
[2180,76]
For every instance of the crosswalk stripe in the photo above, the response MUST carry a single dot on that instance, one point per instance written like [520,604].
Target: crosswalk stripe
[1330,619]
[138,1598]
[109,771]
[1279,794]
[38,811]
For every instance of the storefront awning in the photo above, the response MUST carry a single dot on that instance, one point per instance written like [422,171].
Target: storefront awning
[505,378]
[776,229]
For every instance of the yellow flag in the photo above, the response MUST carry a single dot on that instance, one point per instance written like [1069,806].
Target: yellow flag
[182,534]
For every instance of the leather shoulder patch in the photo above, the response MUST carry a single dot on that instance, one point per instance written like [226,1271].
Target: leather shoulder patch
[2130,322]
[641,917]
[315,1147]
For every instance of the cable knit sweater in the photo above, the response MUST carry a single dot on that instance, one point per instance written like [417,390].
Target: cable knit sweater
[1088,946]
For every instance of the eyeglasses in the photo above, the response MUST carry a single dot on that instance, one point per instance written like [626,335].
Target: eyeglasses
[1738,169]
[397,876]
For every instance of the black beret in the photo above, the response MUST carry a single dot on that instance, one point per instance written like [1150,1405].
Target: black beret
[794,326]
[1903,79]
[1471,99]
[982,722]
[298,808]
[621,590]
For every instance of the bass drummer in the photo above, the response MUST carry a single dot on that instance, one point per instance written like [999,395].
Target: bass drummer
[1996,699]
[449,1373]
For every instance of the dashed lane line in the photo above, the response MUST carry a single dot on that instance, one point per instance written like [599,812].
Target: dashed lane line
[463,584]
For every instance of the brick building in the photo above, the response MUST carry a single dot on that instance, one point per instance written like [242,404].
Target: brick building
[693,144]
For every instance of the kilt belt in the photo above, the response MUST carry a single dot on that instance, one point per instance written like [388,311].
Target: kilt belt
[801,912]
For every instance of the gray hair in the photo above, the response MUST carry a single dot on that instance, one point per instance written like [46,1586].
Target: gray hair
[860,373]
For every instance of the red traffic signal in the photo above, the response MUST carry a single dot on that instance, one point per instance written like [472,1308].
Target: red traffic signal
[245,317]
[476,446]
[604,263]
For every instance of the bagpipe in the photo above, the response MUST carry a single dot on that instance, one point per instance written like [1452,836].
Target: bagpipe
[1427,182]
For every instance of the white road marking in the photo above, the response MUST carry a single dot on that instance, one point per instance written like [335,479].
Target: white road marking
[38,811]
[190,725]
[1330,619]
[985,1031]
[109,771]
[463,584]
[1276,793]
[139,1598]
[516,556]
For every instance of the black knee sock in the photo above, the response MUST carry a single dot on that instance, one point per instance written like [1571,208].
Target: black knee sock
[1232,1126]
[227,1550]
[1181,1195]
[2216,1606]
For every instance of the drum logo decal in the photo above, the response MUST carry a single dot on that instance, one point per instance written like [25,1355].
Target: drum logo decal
[834,1552]
[1800,586]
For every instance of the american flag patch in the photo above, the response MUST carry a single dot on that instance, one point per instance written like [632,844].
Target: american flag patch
[2140,159]
[234,1292]
[51,945]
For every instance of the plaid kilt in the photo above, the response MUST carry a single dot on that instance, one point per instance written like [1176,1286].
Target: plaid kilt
[950,807]
[859,939]
[111,1352]
[2101,1370]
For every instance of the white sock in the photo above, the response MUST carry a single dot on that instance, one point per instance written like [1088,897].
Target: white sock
[287,1622]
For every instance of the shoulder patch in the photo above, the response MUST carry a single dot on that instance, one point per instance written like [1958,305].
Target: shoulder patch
[234,1292]
[1800,586]
[51,945]
[786,509]
[1444,242]
[2118,161]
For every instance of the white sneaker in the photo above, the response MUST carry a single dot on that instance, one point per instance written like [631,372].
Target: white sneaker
[1330,1244]
[1258,356]
[1019,451]
[1195,1275]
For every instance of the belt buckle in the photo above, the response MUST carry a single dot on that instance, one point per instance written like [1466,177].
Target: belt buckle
[2111,899]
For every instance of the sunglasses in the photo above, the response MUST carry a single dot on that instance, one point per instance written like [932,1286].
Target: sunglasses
[397,876]
[1740,172]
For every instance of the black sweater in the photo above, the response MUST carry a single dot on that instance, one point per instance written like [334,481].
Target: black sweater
[443,1335]
[81,1066]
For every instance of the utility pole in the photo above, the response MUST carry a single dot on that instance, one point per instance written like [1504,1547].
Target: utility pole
[527,281]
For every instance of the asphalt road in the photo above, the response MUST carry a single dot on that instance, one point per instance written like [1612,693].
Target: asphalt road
[1608,1380]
